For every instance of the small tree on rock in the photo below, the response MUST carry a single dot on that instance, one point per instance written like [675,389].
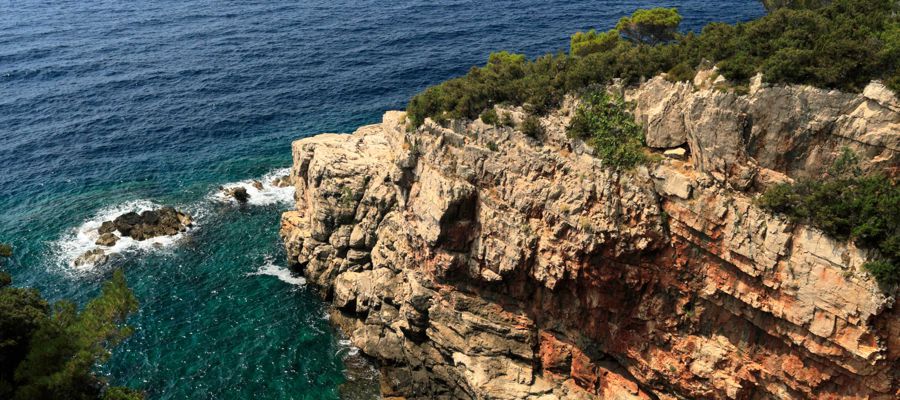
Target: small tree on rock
[653,26]
[584,43]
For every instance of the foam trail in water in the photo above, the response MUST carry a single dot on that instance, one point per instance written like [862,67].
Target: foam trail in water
[268,195]
[82,238]
[283,274]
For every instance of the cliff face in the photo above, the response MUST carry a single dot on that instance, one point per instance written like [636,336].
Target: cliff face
[531,271]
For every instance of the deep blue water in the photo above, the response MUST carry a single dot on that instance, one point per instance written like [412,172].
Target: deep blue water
[110,105]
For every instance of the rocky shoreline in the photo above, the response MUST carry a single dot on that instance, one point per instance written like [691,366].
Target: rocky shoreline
[475,262]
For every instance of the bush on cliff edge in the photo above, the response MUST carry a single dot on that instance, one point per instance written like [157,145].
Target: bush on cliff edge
[606,124]
[847,205]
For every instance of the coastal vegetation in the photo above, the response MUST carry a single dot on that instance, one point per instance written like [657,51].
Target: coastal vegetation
[605,123]
[48,351]
[843,44]
[848,205]
[531,127]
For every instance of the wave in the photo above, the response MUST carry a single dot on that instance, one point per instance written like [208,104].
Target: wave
[283,274]
[268,194]
[82,239]
[346,344]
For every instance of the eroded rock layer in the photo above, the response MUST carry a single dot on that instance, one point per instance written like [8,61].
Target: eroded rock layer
[475,262]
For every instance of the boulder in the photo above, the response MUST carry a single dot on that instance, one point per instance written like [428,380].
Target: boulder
[107,239]
[166,221]
[125,222]
[282,181]
[239,193]
[677,153]
[258,185]
[107,227]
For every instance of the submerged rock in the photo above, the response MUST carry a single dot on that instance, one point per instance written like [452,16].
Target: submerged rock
[5,250]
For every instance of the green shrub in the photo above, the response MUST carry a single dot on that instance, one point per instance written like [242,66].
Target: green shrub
[607,125]
[885,272]
[847,205]
[507,120]
[490,117]
[492,146]
[681,72]
[532,127]
[653,26]
[584,43]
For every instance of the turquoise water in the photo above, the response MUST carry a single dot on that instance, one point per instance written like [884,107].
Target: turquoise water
[109,106]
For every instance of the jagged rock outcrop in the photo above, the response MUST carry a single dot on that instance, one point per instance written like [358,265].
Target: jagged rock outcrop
[533,271]
[793,130]
[166,221]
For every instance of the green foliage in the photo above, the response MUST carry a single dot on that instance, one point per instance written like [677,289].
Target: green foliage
[847,205]
[772,5]
[885,272]
[681,72]
[532,127]
[607,125]
[890,52]
[492,146]
[507,120]
[49,352]
[842,45]
[122,393]
[490,117]
[584,43]
[653,26]
[22,311]
[5,250]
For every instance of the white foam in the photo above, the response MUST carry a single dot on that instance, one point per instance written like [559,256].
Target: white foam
[283,274]
[82,239]
[351,349]
[268,195]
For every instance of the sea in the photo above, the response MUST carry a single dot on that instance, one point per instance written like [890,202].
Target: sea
[115,106]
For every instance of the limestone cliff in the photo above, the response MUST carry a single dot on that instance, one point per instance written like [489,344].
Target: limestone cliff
[476,262]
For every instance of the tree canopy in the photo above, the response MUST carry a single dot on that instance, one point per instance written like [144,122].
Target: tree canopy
[48,351]
[651,26]
[584,43]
